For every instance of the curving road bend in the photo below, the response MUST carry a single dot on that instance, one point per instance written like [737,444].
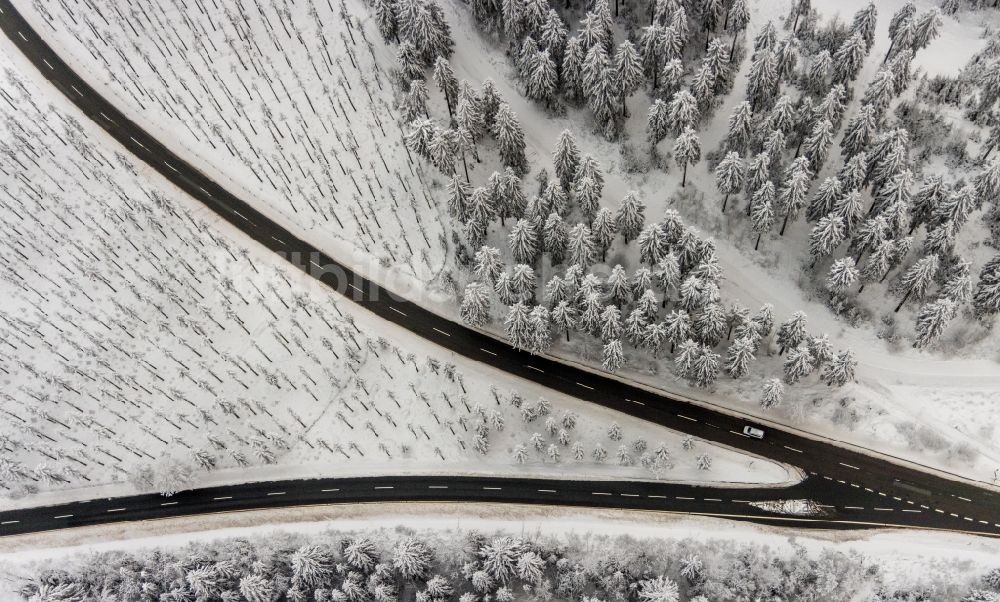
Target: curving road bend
[844,479]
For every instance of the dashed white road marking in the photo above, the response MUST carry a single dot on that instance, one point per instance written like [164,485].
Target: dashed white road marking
[277,493]
[546,491]
[64,516]
[488,351]
[397,311]
[117,510]
[75,90]
[599,493]
[712,499]
[22,36]
[492,488]
[798,451]
[883,509]
[659,497]
[9,522]
[630,495]
[384,487]
[437,486]
[853,508]
[361,291]
[964,499]
[168,504]
[113,122]
[849,466]
[635,402]
[328,490]
[165,163]
[684,498]
[687,418]
[911,510]
[223,497]
[277,239]
[585,386]
[139,143]
[534,368]
[441,331]
[48,64]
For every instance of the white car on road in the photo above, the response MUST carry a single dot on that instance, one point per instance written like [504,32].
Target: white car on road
[752,431]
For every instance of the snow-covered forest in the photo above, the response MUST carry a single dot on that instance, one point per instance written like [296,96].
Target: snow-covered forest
[469,565]
[741,202]
[240,366]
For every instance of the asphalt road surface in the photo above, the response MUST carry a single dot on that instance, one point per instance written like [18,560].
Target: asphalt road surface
[847,480]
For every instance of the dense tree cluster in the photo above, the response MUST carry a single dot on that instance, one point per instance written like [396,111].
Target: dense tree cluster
[463,565]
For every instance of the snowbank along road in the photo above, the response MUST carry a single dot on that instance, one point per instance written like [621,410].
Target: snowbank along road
[842,479]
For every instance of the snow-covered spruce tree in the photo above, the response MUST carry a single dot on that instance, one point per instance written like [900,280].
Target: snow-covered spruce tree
[475,307]
[859,131]
[628,72]
[823,201]
[738,358]
[840,370]
[741,125]
[445,78]
[386,20]
[542,77]
[510,139]
[603,230]
[848,58]
[563,317]
[798,364]
[687,353]
[986,297]
[630,216]
[458,198]
[729,176]
[581,248]
[737,19]
[598,84]
[771,393]
[682,112]
[705,370]
[817,144]
[652,244]
[762,80]
[523,241]
[842,275]
[687,151]
[555,238]
[864,22]
[849,208]
[916,280]
[932,319]
[614,359]
[566,159]
[422,23]
[657,122]
[792,197]
[762,212]
[540,336]
[825,237]
[792,332]
[488,264]
[517,325]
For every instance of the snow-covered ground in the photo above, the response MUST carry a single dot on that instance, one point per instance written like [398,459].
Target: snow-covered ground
[883,411]
[141,331]
[945,564]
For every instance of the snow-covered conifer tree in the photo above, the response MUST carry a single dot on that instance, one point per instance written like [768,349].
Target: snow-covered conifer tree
[603,230]
[825,237]
[729,176]
[445,78]
[792,331]
[840,370]
[652,244]
[628,72]
[524,241]
[740,127]
[614,358]
[475,308]
[986,297]
[566,159]
[738,358]
[823,201]
[678,327]
[687,151]
[842,275]
[848,58]
[932,319]
[458,198]
[917,279]
[555,238]
[488,265]
[657,121]
[771,393]
[581,246]
[510,139]
[630,216]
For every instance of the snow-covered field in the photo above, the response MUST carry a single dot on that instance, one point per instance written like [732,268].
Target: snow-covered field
[941,566]
[148,343]
[884,411]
